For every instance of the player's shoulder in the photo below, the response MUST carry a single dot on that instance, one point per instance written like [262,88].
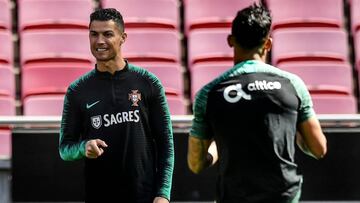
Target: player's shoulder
[283,73]
[81,81]
[142,72]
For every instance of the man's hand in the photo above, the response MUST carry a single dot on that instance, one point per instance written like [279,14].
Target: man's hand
[94,148]
[160,200]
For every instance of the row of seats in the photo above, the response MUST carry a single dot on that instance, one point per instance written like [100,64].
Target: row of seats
[43,51]
[7,79]
[165,13]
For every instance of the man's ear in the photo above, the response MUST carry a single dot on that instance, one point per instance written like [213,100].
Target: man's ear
[231,40]
[123,38]
[268,44]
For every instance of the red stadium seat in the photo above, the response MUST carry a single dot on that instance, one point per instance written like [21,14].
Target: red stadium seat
[212,13]
[334,104]
[145,45]
[43,105]
[39,14]
[55,46]
[7,81]
[323,78]
[50,78]
[6,47]
[209,45]
[306,13]
[355,15]
[203,73]
[5,144]
[34,105]
[136,13]
[357,49]
[306,44]
[170,75]
[5,15]
[7,106]
[177,105]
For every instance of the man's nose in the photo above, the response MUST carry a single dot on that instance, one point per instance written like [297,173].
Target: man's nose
[100,40]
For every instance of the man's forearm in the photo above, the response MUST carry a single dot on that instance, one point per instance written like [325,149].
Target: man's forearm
[198,156]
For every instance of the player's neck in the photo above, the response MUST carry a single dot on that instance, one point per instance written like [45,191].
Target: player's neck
[241,55]
[111,65]
[241,58]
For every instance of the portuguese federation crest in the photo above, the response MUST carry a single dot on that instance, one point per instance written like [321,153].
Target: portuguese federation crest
[134,97]
[96,121]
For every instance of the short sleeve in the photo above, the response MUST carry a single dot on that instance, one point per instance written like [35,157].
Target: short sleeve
[200,126]
[306,109]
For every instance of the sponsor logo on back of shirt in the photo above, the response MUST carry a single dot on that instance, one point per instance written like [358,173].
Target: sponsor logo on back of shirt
[107,120]
[264,85]
[234,93]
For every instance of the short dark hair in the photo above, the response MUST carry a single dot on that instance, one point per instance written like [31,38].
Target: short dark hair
[108,14]
[251,26]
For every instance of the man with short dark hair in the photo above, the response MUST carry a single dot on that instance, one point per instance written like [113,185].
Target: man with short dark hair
[249,119]
[116,117]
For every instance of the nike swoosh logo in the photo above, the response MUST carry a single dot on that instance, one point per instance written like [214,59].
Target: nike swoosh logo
[91,105]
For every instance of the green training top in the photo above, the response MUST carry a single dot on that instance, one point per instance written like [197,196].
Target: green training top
[128,110]
[252,112]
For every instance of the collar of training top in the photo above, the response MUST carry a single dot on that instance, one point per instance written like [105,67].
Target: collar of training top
[108,75]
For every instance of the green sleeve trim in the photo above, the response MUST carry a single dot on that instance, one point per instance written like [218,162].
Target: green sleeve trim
[70,146]
[306,110]
[73,152]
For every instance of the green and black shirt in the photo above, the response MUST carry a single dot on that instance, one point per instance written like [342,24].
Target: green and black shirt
[252,112]
[127,110]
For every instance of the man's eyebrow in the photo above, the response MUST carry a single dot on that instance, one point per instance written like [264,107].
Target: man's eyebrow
[105,31]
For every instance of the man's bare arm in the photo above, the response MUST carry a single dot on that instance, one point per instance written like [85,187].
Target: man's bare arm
[311,139]
[200,156]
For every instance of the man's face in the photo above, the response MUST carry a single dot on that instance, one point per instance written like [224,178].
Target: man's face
[105,40]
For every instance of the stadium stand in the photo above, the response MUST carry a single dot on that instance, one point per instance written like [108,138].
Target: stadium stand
[203,73]
[306,13]
[209,45]
[50,78]
[44,14]
[323,77]
[7,108]
[330,85]
[6,48]
[163,13]
[55,46]
[357,49]
[5,17]
[334,104]
[177,104]
[5,144]
[7,82]
[207,13]
[162,45]
[355,15]
[309,44]
[35,105]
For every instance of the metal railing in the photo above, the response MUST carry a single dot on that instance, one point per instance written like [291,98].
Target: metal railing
[181,123]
